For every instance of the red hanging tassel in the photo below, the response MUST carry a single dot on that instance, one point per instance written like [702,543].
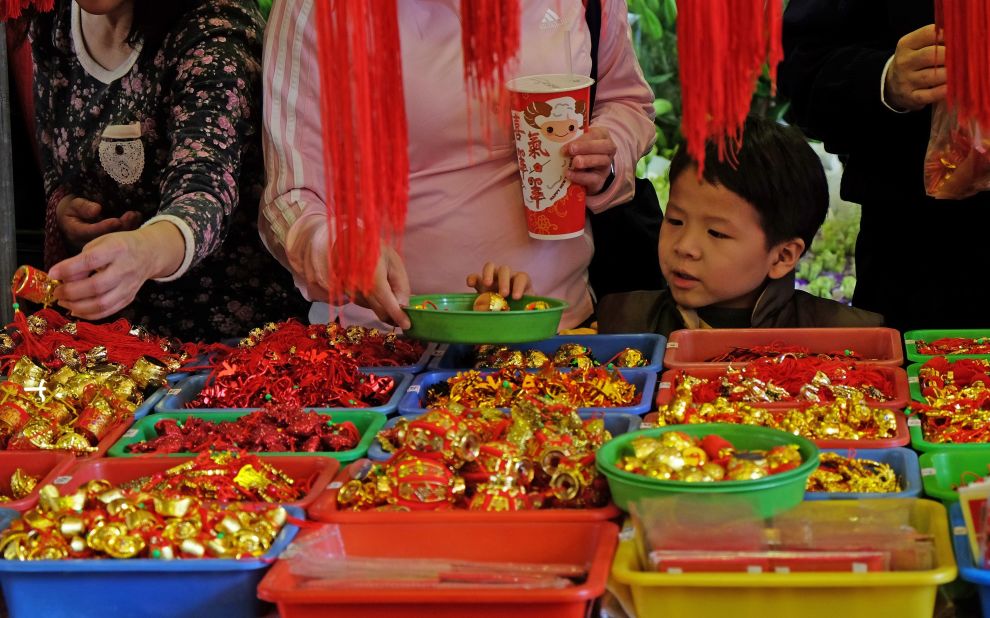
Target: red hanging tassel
[364,135]
[965,24]
[12,9]
[721,49]
[490,41]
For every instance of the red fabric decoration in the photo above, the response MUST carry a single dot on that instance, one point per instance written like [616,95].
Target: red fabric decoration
[721,48]
[490,42]
[367,167]
[12,9]
[964,25]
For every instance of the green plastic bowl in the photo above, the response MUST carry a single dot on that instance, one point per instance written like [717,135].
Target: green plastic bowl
[943,471]
[455,321]
[768,496]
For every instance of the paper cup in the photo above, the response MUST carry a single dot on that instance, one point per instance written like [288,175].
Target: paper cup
[548,111]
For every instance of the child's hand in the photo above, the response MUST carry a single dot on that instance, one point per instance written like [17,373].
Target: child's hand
[500,279]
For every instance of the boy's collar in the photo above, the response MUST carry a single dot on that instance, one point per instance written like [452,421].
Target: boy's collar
[774,297]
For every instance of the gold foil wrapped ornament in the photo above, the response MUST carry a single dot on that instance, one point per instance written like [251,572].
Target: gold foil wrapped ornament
[490,301]
[537,305]
[34,285]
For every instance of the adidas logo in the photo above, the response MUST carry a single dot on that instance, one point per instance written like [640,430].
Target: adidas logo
[550,20]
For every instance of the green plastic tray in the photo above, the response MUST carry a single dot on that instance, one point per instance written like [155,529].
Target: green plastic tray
[919,443]
[914,382]
[367,422]
[942,470]
[769,496]
[454,320]
[912,336]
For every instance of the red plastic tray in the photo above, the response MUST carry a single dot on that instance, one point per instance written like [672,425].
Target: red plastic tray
[321,470]
[667,383]
[324,508]
[588,543]
[44,464]
[902,437]
[690,348]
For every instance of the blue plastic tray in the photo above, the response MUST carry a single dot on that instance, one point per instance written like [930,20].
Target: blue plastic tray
[604,347]
[176,398]
[643,379]
[904,461]
[139,587]
[148,405]
[964,558]
[615,424]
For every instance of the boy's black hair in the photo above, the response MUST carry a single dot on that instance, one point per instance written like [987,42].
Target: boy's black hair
[777,172]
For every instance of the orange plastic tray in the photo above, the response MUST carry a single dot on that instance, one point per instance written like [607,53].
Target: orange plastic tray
[668,382]
[902,437]
[690,348]
[321,471]
[44,464]
[324,508]
[588,543]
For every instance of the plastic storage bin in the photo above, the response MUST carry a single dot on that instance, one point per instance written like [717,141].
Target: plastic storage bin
[139,587]
[320,470]
[44,464]
[603,347]
[175,399]
[968,571]
[590,543]
[324,508]
[368,423]
[692,348]
[644,381]
[668,383]
[615,424]
[901,436]
[808,595]
[912,337]
[904,462]
[943,471]
[919,443]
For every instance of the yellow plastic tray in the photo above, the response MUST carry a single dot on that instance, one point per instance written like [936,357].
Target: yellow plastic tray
[808,595]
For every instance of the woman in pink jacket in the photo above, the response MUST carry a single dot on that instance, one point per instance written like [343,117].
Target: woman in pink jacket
[465,199]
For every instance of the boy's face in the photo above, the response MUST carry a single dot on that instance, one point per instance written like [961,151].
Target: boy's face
[712,249]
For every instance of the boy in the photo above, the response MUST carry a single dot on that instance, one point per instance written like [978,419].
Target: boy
[730,241]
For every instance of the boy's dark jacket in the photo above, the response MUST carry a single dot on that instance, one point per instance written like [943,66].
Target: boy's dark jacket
[780,306]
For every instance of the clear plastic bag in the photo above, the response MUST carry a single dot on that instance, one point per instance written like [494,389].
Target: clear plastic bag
[957,163]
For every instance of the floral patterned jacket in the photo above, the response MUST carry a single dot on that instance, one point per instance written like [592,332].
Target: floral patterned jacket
[174,134]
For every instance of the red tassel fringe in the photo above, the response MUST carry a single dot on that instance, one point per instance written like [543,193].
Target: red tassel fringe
[364,135]
[490,40]
[721,49]
[12,9]
[965,24]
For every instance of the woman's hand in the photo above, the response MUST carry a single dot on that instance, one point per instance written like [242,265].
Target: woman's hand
[391,290]
[591,155]
[106,276]
[80,221]
[500,279]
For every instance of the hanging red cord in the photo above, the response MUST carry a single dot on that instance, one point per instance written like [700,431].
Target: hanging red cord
[367,168]
[12,9]
[964,25]
[721,49]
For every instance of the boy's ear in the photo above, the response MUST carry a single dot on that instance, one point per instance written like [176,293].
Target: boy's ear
[785,257]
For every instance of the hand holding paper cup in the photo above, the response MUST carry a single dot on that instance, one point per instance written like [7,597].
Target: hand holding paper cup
[549,111]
